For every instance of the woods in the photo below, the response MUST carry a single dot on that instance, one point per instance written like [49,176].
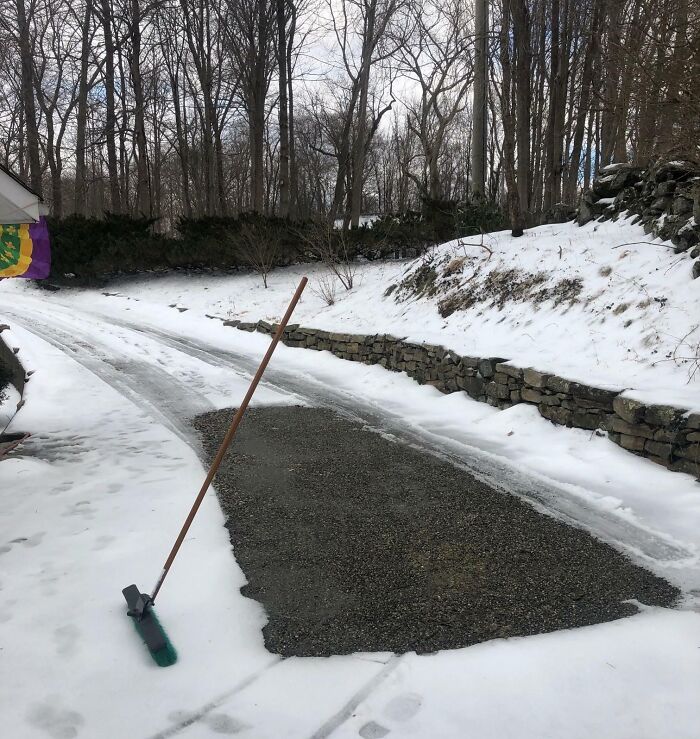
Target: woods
[324,109]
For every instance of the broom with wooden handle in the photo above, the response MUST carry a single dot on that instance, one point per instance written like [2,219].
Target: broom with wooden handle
[140,605]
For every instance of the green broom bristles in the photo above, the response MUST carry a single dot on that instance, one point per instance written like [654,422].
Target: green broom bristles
[165,656]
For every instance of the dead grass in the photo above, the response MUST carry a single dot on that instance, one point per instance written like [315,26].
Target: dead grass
[460,282]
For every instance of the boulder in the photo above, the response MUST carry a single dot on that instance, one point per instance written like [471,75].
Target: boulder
[678,169]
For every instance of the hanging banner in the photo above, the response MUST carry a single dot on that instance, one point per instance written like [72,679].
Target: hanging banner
[25,250]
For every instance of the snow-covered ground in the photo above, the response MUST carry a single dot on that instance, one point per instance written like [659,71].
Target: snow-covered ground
[635,324]
[98,494]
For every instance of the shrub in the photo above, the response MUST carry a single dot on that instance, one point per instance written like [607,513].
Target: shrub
[93,249]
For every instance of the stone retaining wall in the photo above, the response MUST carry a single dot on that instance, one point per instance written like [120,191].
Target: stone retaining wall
[666,435]
[665,200]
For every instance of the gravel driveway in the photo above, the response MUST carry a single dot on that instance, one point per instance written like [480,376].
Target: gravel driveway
[355,543]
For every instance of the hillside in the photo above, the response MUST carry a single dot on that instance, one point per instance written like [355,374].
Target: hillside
[605,303]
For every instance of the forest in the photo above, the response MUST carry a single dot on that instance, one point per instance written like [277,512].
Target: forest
[322,109]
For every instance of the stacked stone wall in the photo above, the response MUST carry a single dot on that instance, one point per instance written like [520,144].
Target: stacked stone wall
[665,200]
[666,435]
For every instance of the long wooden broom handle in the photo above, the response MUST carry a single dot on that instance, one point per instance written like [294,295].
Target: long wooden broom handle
[235,423]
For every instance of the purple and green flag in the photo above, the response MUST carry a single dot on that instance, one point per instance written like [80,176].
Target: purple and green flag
[24,250]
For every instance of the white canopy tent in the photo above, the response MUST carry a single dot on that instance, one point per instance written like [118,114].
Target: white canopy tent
[18,203]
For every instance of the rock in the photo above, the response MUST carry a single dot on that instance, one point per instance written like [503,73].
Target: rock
[595,394]
[560,213]
[558,384]
[487,367]
[246,326]
[690,452]
[610,181]
[679,170]
[550,400]
[473,386]
[660,205]
[659,449]
[582,420]
[686,465]
[632,443]
[586,212]
[495,390]
[696,270]
[631,429]
[529,395]
[671,437]
[509,369]
[663,415]
[562,416]
[534,378]
[682,205]
[629,410]
[663,189]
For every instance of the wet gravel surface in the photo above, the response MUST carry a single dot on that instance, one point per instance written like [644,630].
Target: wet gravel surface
[353,542]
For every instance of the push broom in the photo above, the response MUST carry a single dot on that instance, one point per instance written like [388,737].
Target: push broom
[140,605]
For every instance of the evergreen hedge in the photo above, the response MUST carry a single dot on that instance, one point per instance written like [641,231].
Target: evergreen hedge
[92,249]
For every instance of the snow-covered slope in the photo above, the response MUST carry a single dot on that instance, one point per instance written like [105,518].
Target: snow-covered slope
[603,303]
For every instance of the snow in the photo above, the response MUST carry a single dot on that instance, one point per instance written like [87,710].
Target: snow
[635,324]
[8,406]
[102,487]
[365,220]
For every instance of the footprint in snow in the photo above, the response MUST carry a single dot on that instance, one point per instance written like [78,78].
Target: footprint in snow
[66,639]
[102,542]
[403,707]
[219,723]
[399,709]
[373,730]
[57,722]
[81,508]
[34,540]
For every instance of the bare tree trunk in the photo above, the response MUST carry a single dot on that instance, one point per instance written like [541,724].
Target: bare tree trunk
[516,216]
[80,202]
[283,108]
[560,107]
[358,151]
[27,72]
[611,85]
[143,195]
[293,166]
[583,106]
[521,28]
[110,109]
[480,110]
[550,141]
